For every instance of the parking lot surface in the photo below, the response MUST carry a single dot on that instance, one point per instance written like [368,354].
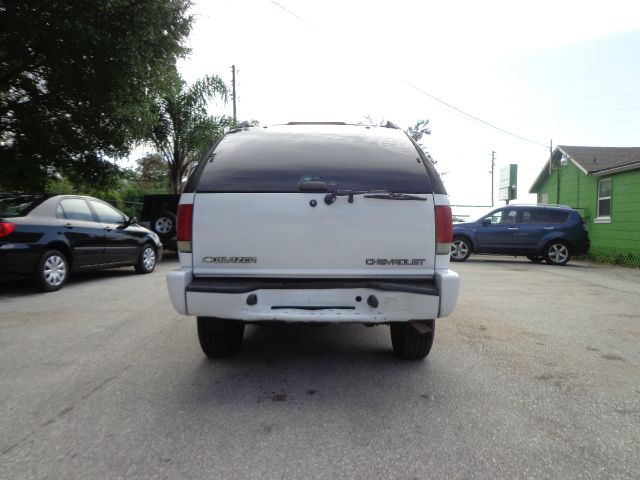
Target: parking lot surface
[535,375]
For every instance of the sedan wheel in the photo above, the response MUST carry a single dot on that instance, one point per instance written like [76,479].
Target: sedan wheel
[557,253]
[460,249]
[52,271]
[147,260]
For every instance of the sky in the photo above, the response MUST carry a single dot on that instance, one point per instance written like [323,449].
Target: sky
[563,72]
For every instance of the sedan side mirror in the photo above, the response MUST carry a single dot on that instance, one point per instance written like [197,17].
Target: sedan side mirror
[486,221]
[128,221]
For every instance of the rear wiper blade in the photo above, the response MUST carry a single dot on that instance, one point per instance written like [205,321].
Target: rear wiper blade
[329,198]
[387,195]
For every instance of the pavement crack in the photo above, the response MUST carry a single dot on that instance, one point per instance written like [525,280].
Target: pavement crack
[64,411]
[104,383]
[9,448]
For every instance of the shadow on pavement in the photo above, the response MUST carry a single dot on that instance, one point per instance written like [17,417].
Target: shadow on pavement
[303,363]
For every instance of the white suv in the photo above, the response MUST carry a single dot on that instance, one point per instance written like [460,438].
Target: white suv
[314,223]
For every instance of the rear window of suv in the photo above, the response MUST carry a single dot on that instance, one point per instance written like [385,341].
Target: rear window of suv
[346,157]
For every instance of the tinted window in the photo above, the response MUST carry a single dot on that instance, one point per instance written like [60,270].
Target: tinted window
[278,159]
[536,216]
[106,213]
[559,217]
[12,205]
[76,209]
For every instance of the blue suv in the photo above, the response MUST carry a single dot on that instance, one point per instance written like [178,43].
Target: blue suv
[540,232]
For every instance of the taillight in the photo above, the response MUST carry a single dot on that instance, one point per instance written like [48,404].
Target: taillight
[444,229]
[6,228]
[183,232]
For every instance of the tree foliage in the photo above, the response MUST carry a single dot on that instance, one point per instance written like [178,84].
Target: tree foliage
[77,79]
[184,130]
[416,132]
[152,173]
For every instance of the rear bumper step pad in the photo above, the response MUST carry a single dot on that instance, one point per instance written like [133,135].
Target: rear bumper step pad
[246,285]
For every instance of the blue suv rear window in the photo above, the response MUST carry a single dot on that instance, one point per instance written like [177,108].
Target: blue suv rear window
[346,157]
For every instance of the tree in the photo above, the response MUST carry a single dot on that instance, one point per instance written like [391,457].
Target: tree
[184,130]
[416,132]
[152,173]
[76,82]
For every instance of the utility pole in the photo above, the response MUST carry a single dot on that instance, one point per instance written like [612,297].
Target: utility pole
[233,91]
[493,166]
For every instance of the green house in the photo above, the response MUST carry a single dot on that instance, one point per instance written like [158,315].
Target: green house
[603,183]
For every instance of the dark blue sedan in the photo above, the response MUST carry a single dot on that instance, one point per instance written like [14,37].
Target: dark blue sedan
[48,236]
[540,232]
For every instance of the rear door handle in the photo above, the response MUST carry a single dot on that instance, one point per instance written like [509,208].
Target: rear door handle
[68,225]
[513,228]
[108,229]
[549,228]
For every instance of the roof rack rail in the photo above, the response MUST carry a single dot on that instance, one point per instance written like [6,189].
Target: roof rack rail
[316,123]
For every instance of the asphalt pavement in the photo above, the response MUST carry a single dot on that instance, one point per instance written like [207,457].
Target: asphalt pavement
[535,375]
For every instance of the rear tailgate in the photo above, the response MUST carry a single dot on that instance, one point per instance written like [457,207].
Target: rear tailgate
[283,235]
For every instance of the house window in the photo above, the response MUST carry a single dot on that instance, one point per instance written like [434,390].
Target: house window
[604,201]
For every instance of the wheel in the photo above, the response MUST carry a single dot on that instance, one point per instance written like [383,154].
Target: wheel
[219,337]
[146,259]
[535,258]
[164,225]
[460,249]
[557,253]
[408,342]
[52,271]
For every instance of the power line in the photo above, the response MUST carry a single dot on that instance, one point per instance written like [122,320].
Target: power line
[473,117]
[432,96]
[292,14]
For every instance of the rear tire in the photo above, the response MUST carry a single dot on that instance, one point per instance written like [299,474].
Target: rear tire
[557,253]
[220,338]
[460,249]
[51,272]
[409,343]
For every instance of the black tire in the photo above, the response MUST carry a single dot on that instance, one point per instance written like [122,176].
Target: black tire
[557,253]
[164,225]
[460,249]
[147,259]
[535,258]
[51,272]
[220,338]
[409,343]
